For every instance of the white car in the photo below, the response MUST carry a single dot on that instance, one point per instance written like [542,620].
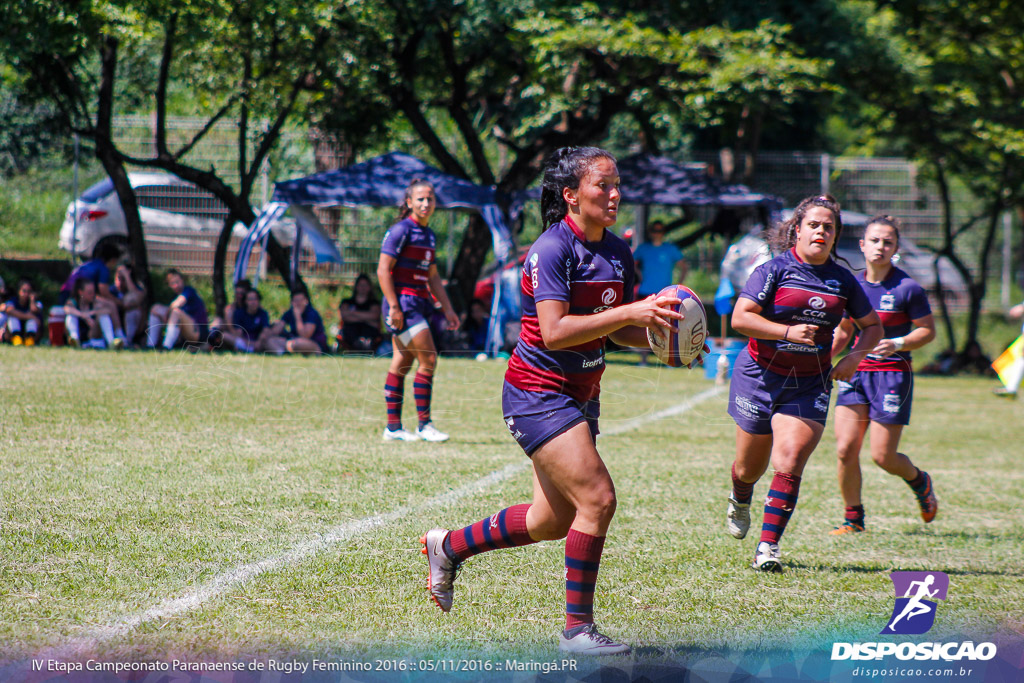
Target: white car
[174,212]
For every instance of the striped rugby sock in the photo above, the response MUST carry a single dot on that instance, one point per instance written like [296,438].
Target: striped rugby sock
[506,529]
[855,514]
[779,505]
[394,392]
[919,484]
[742,492]
[582,561]
[422,388]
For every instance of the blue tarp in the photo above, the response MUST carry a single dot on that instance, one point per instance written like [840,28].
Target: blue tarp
[647,179]
[650,179]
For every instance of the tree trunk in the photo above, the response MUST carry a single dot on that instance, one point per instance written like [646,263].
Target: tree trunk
[468,263]
[109,157]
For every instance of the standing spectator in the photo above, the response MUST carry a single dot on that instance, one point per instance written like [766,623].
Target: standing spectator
[185,316]
[359,318]
[408,275]
[24,315]
[300,329]
[656,263]
[249,323]
[82,309]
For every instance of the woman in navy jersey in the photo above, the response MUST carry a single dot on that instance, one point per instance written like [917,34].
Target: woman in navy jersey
[408,275]
[882,390]
[781,383]
[577,285]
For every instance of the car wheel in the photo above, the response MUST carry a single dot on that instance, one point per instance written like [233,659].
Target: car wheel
[118,241]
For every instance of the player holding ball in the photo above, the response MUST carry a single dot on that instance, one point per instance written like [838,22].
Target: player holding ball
[782,380]
[577,286]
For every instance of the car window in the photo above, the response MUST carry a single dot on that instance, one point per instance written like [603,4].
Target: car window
[187,200]
[98,191]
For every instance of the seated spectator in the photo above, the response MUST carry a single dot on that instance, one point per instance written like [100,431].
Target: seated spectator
[24,315]
[185,317]
[250,325]
[475,326]
[3,309]
[238,303]
[131,295]
[88,325]
[359,318]
[98,271]
[300,329]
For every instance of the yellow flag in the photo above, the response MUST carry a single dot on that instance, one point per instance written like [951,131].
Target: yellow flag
[1010,364]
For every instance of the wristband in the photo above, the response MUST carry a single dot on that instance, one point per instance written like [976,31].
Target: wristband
[898,342]
[785,334]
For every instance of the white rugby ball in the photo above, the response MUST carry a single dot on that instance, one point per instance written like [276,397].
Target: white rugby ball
[682,345]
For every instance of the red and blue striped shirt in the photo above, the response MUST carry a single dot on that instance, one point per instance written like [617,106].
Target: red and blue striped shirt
[414,248]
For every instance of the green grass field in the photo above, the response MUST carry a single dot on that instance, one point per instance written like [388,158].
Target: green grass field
[139,492]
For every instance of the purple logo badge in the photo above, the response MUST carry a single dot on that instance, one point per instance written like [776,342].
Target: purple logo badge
[916,596]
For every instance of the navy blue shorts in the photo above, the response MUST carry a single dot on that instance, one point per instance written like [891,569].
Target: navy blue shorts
[755,394]
[416,310]
[535,417]
[887,393]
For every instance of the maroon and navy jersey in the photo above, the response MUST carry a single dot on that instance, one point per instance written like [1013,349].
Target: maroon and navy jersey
[792,291]
[590,276]
[414,247]
[899,301]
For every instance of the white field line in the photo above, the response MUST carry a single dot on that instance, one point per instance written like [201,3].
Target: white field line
[220,584]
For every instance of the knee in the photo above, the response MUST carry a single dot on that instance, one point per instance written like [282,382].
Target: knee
[600,506]
[848,452]
[886,460]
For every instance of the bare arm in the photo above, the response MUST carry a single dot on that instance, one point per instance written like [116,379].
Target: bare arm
[747,319]
[387,287]
[178,302]
[684,269]
[559,330]
[921,335]
[870,332]
[842,336]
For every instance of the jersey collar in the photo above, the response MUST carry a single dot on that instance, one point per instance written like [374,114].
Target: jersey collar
[576,230]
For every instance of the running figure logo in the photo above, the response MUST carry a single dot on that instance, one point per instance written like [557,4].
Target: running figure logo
[916,593]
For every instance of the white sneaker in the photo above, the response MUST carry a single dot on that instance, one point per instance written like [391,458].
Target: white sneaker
[738,517]
[587,640]
[429,432]
[442,569]
[768,558]
[399,435]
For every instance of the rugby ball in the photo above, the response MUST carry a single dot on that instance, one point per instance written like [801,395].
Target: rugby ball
[682,345]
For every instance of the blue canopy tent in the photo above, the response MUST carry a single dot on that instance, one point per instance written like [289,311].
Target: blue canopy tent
[380,181]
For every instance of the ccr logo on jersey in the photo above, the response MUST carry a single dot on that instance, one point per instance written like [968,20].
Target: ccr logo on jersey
[916,595]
